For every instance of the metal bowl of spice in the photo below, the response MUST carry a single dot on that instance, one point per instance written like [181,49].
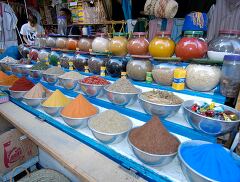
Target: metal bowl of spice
[17,94]
[215,121]
[77,122]
[68,83]
[110,126]
[160,103]
[24,69]
[15,68]
[36,74]
[52,110]
[33,102]
[50,78]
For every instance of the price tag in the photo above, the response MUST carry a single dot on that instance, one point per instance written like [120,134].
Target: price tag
[59,65]
[71,66]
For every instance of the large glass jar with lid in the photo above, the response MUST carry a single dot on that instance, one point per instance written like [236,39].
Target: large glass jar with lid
[80,61]
[192,45]
[43,41]
[43,55]
[33,54]
[138,44]
[72,42]
[162,45]
[65,58]
[51,41]
[137,68]
[61,42]
[53,57]
[116,65]
[96,62]
[118,44]
[227,43]
[85,43]
[230,78]
[100,43]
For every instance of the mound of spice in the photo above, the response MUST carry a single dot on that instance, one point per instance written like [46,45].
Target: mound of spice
[123,85]
[79,108]
[39,66]
[95,80]
[38,91]
[9,80]
[57,99]
[72,75]
[161,97]
[3,76]
[110,121]
[22,84]
[54,71]
[153,138]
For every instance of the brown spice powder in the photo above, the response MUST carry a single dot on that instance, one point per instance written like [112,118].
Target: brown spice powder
[153,138]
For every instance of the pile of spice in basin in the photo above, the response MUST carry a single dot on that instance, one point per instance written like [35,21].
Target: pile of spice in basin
[110,126]
[153,144]
[51,74]
[122,92]
[36,95]
[93,86]
[20,88]
[78,111]
[69,80]
[160,103]
[7,81]
[37,70]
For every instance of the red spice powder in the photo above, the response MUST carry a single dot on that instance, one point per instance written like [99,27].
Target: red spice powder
[22,84]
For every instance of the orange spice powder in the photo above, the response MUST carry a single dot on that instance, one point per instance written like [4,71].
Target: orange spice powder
[79,108]
[3,76]
[9,81]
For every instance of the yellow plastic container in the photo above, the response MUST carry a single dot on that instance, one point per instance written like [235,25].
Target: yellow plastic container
[179,79]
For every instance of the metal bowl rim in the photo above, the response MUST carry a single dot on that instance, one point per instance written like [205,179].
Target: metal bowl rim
[52,106]
[79,118]
[34,98]
[154,155]
[52,74]
[69,78]
[115,92]
[18,91]
[168,105]
[111,134]
[218,120]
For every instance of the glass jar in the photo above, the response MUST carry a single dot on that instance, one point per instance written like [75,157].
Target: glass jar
[95,63]
[162,45]
[33,54]
[72,42]
[192,45]
[163,73]
[118,44]
[43,41]
[24,51]
[85,43]
[53,58]
[51,41]
[43,55]
[226,43]
[137,69]
[116,65]
[100,43]
[80,61]
[230,78]
[138,44]
[61,42]
[65,58]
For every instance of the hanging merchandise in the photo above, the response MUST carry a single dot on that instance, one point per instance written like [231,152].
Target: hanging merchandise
[62,25]
[195,21]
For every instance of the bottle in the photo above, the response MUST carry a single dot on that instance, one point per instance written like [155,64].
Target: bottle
[62,25]
[179,79]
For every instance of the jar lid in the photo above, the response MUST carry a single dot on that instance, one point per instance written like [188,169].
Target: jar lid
[236,32]
[139,33]
[119,34]
[164,33]
[231,58]
[193,32]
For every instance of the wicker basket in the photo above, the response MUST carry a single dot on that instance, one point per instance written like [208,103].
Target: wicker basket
[43,175]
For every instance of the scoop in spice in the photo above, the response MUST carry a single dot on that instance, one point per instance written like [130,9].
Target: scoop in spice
[153,138]
[123,85]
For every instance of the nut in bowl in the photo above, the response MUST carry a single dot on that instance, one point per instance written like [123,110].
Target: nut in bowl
[77,122]
[121,99]
[92,90]
[33,102]
[216,125]
[68,83]
[50,78]
[17,94]
[36,74]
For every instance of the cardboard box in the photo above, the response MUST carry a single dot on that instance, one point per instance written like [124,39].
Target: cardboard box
[4,125]
[14,151]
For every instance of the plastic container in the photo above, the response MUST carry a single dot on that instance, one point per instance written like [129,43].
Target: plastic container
[163,74]
[61,42]
[80,61]
[230,78]
[53,58]
[162,45]
[72,42]
[202,77]
[227,43]
[51,41]
[138,44]
[192,45]
[137,69]
[115,66]
[33,54]
[118,44]
[100,43]
[65,58]
[85,43]
[96,62]
[43,55]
